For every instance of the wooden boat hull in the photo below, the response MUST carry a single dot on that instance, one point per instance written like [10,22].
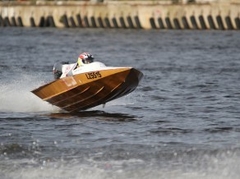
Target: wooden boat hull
[90,89]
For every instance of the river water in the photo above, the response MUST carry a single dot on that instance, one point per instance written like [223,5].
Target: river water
[182,122]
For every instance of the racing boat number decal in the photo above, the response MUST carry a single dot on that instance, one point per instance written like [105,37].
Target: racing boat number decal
[93,75]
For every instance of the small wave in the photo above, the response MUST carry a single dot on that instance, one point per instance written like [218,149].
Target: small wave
[207,166]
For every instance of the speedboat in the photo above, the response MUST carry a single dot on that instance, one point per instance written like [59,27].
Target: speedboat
[80,88]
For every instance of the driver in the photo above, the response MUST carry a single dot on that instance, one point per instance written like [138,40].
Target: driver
[84,58]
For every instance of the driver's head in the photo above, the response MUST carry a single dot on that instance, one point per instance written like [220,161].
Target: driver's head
[86,57]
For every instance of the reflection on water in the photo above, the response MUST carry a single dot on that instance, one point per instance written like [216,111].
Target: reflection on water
[100,115]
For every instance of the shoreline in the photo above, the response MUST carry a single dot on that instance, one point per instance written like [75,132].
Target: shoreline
[130,14]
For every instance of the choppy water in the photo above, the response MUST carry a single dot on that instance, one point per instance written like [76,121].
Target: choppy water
[183,121]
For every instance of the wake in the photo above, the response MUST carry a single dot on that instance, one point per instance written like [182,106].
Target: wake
[16,96]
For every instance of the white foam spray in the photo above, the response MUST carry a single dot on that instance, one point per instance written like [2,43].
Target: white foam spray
[16,96]
[213,168]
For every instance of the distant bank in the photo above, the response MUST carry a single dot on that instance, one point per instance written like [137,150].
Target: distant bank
[168,14]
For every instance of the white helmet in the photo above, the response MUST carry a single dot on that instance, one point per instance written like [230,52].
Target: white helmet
[86,57]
